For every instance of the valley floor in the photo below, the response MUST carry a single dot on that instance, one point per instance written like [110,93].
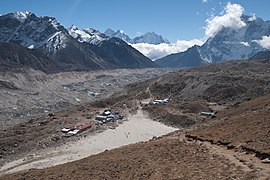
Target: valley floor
[232,144]
[192,153]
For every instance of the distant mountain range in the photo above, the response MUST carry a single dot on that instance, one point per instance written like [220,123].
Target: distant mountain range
[55,48]
[227,44]
[64,49]
[149,37]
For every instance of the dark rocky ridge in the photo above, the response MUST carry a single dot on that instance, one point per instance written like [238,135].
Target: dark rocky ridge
[115,52]
[189,58]
[13,57]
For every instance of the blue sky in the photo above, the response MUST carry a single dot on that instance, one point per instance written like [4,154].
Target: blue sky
[173,19]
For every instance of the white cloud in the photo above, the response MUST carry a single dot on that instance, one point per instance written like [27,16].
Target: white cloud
[252,18]
[264,42]
[160,50]
[204,1]
[230,18]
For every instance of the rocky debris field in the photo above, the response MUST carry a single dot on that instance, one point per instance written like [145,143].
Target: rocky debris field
[29,93]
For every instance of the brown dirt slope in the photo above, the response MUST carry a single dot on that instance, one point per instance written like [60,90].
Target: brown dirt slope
[246,127]
[165,158]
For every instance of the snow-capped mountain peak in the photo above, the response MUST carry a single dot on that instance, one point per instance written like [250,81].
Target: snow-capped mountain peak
[228,43]
[150,38]
[21,16]
[231,44]
[73,27]
[27,29]
[88,35]
[122,35]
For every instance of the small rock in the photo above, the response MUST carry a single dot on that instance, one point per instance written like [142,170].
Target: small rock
[267,160]
[230,146]
[242,160]
[51,114]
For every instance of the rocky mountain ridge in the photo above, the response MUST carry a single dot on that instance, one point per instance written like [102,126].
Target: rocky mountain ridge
[149,37]
[69,50]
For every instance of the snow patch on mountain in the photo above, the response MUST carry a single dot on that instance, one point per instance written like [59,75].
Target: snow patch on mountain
[31,46]
[56,42]
[122,35]
[55,23]
[32,31]
[245,43]
[88,35]
[21,16]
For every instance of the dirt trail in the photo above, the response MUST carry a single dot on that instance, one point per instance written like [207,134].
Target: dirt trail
[249,162]
[138,128]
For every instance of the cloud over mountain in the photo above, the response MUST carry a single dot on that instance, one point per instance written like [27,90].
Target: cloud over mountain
[155,51]
[264,42]
[230,18]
